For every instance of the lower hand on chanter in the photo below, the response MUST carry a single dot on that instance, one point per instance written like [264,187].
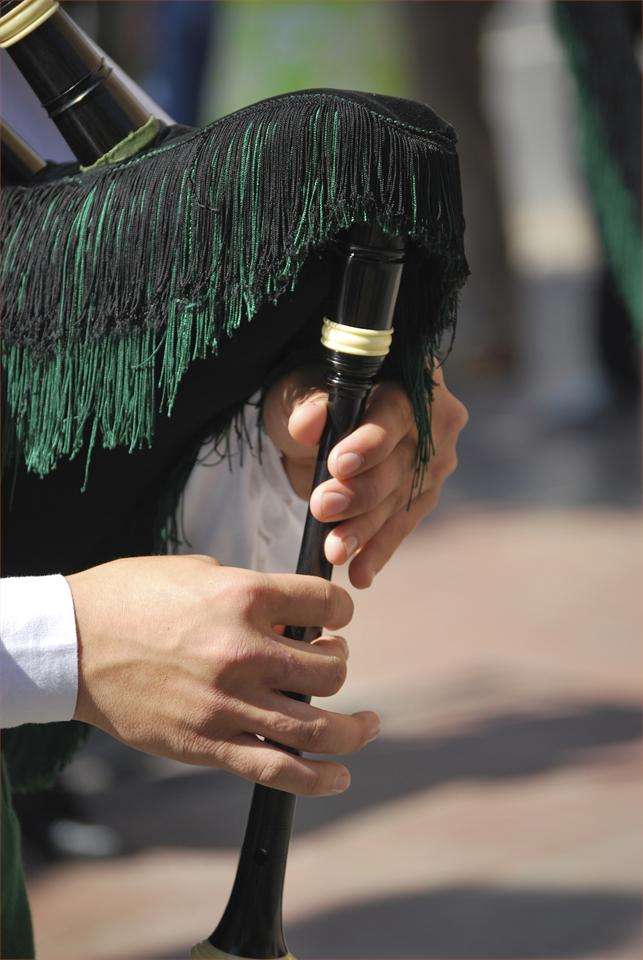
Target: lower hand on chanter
[183,658]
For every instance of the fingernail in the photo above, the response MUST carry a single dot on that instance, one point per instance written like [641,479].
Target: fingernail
[350,545]
[372,729]
[333,504]
[348,463]
[343,779]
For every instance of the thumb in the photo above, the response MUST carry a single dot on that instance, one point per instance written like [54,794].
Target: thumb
[308,418]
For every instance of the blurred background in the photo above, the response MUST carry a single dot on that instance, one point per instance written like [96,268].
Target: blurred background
[499,814]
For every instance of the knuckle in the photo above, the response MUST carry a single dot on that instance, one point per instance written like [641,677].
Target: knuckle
[194,742]
[199,566]
[459,415]
[230,757]
[359,737]
[314,734]
[339,672]
[463,414]
[335,670]
[258,591]
[451,465]
[271,769]
[251,594]
[189,740]
[444,466]
[380,438]
[344,647]
[333,643]
[338,605]
[309,781]
[235,659]
[210,710]
[283,668]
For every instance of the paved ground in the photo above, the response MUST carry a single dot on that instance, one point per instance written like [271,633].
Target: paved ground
[499,814]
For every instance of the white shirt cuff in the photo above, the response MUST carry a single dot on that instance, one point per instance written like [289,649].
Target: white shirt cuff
[38,651]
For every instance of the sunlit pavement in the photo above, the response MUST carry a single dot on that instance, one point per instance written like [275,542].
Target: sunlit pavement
[497,816]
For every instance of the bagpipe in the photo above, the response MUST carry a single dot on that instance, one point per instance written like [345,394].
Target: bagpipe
[156,284]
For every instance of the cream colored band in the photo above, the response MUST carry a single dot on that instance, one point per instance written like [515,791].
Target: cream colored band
[28,157]
[24,18]
[205,950]
[356,340]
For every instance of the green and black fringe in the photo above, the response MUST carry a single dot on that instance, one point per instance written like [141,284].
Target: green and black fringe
[163,256]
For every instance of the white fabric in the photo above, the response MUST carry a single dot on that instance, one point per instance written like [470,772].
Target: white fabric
[241,510]
[38,651]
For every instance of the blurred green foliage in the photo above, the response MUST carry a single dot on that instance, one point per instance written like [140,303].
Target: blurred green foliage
[294,45]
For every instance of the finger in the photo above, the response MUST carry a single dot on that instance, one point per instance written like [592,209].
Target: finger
[335,645]
[202,558]
[302,601]
[308,728]
[300,387]
[381,548]
[248,757]
[388,418]
[449,415]
[336,500]
[346,539]
[314,670]
[308,419]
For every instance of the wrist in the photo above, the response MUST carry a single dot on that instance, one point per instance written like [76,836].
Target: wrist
[77,587]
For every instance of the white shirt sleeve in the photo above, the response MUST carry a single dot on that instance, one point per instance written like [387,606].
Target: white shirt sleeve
[38,651]
[241,509]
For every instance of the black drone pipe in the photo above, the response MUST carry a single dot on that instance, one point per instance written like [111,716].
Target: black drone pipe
[355,343]
[93,108]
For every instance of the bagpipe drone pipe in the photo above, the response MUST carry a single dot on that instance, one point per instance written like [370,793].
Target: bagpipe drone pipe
[150,289]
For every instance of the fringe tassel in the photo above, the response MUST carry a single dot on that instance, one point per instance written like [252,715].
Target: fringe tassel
[165,255]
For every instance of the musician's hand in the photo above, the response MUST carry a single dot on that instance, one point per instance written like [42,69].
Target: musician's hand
[372,469]
[182,658]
